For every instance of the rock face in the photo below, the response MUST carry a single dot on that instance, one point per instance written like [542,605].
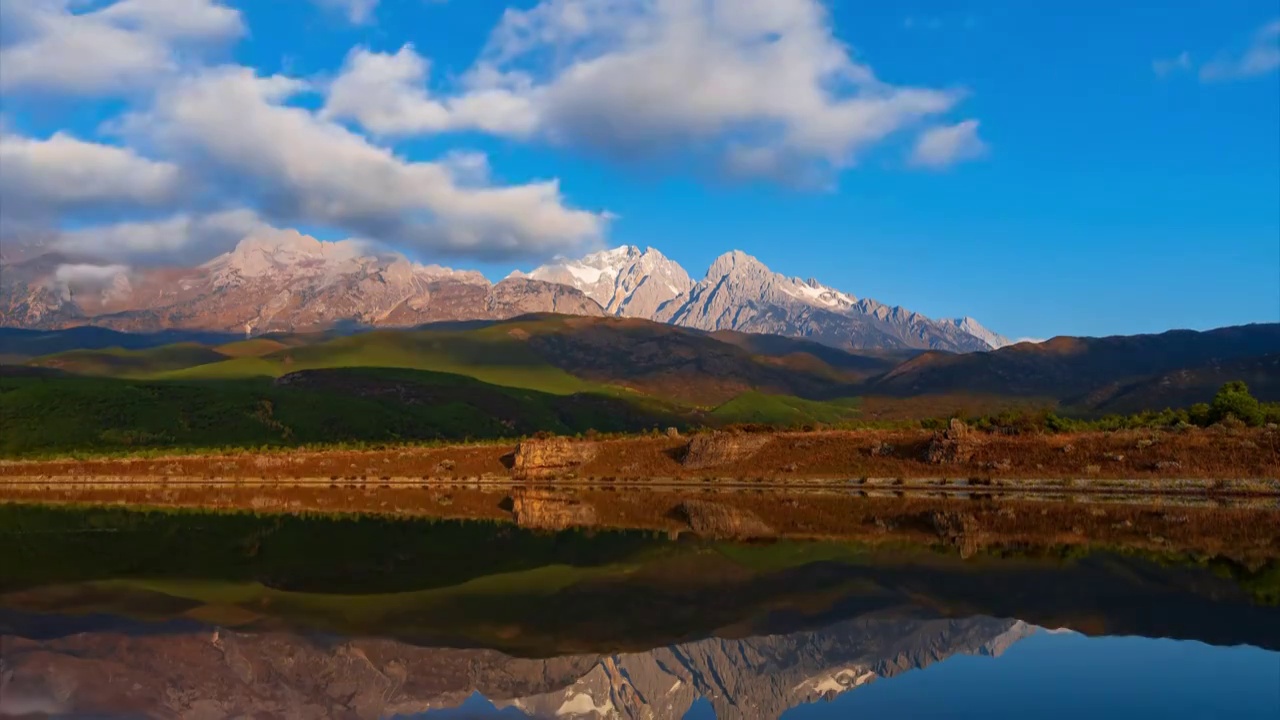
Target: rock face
[954,445]
[552,456]
[220,673]
[740,293]
[709,450]
[624,281]
[271,281]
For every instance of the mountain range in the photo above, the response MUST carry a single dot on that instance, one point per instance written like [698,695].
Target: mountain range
[284,281]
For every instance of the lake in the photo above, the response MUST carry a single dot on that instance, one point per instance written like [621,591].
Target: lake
[117,612]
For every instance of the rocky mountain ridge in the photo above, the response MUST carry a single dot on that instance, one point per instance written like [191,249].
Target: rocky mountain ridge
[281,280]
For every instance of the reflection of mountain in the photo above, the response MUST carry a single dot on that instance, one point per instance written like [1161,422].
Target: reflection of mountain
[763,677]
[213,674]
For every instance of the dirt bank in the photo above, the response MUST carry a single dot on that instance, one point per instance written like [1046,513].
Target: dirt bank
[1191,455]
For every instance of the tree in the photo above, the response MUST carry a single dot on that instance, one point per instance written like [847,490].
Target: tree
[1234,400]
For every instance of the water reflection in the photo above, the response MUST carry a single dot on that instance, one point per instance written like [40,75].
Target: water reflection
[210,616]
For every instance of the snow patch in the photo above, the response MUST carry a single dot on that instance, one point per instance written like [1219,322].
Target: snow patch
[582,704]
[836,682]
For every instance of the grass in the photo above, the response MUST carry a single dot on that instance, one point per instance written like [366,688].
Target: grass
[120,362]
[786,411]
[43,415]
[490,357]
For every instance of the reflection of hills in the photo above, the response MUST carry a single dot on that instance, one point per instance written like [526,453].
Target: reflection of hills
[213,674]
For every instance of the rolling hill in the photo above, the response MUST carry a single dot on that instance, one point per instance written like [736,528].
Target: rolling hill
[570,374]
[1080,372]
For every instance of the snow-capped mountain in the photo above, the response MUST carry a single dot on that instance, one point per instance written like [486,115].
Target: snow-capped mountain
[741,293]
[974,328]
[284,280]
[272,280]
[625,280]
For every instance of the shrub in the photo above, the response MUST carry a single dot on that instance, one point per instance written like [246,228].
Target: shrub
[1234,400]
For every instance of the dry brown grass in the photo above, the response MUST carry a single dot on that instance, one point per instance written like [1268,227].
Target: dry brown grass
[1214,453]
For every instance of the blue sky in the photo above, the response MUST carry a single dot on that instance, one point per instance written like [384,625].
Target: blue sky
[1083,168]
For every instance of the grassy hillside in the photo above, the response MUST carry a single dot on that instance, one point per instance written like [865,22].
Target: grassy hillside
[1072,370]
[119,362]
[43,414]
[553,354]
[785,411]
[20,342]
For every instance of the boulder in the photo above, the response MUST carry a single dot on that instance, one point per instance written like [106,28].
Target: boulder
[954,445]
[552,456]
[720,448]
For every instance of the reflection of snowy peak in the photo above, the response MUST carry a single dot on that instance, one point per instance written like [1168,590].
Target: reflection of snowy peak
[763,677]
[191,673]
[624,280]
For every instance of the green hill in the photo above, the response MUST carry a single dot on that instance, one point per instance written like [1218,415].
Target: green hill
[785,411]
[97,414]
[121,362]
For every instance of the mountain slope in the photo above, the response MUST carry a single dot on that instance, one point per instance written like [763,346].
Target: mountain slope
[1073,370]
[271,281]
[555,354]
[740,293]
[624,281]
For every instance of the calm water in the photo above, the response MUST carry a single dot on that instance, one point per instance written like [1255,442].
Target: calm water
[111,613]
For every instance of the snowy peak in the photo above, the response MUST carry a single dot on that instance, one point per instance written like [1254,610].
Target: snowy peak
[972,327]
[288,255]
[625,280]
[740,293]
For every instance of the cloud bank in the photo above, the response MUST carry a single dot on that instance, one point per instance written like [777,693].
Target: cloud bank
[201,150]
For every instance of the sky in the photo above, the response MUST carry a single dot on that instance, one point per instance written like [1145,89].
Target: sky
[1082,168]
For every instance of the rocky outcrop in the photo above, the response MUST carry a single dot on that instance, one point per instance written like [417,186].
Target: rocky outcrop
[517,296]
[551,456]
[955,445]
[546,510]
[721,521]
[708,450]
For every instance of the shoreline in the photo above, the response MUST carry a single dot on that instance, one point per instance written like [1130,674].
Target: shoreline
[1209,489]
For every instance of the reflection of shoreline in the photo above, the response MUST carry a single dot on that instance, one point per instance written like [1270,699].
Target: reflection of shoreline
[219,673]
[1244,530]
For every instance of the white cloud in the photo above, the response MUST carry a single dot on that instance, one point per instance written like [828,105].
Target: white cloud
[1168,66]
[357,11]
[46,45]
[387,94]
[78,274]
[62,175]
[1260,58]
[181,238]
[233,127]
[948,144]
[762,85]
